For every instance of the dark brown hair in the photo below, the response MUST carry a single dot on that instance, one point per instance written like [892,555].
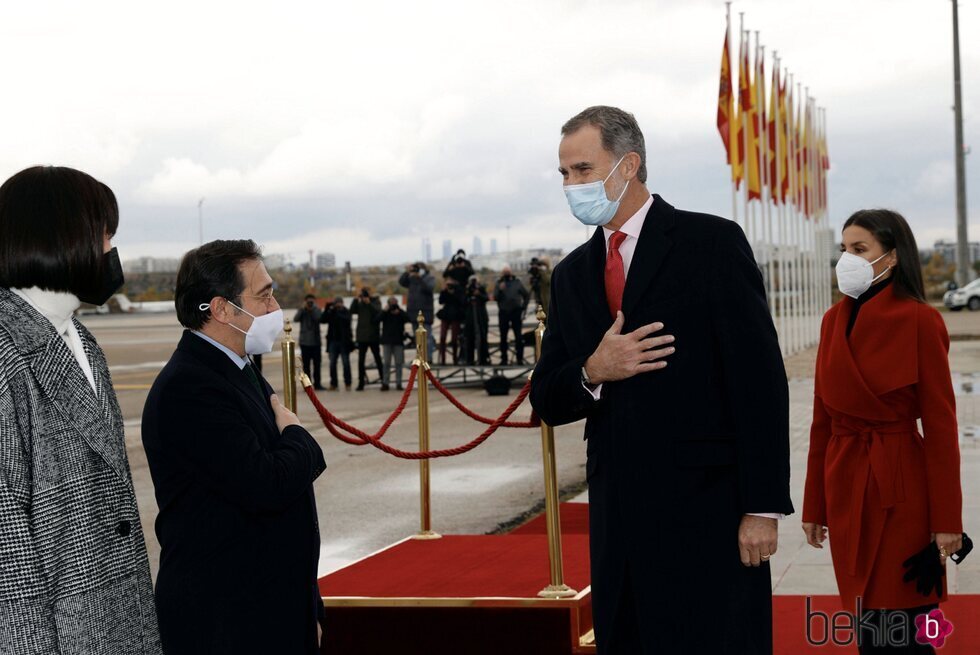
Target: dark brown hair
[618,130]
[53,224]
[893,232]
[208,271]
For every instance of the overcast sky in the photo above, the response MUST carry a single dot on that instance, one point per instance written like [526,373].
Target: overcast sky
[359,128]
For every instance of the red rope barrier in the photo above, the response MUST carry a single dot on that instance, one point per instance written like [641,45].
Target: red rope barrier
[360,437]
[375,440]
[534,421]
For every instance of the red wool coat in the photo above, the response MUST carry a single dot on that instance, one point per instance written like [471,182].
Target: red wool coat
[879,485]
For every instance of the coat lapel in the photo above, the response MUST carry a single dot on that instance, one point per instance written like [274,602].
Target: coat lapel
[61,379]
[880,356]
[220,362]
[106,395]
[884,342]
[651,250]
[592,286]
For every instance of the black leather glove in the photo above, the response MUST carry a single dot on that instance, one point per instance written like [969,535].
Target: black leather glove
[926,569]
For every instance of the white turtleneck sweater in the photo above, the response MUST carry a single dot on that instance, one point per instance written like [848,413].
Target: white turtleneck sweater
[59,308]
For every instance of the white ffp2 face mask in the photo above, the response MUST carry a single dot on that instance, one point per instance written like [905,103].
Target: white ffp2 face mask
[261,335]
[855,274]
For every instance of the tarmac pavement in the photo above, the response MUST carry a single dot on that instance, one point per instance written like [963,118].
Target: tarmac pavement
[367,499]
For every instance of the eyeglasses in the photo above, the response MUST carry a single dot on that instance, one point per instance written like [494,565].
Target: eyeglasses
[266,298]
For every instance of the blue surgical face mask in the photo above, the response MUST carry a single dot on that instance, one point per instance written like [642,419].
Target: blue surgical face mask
[589,203]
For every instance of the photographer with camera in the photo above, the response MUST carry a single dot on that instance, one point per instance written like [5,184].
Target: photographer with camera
[393,320]
[308,318]
[421,285]
[540,280]
[459,268]
[512,298]
[340,340]
[367,308]
[476,323]
[450,317]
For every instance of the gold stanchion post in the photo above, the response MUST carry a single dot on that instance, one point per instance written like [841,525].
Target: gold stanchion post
[557,588]
[289,368]
[421,345]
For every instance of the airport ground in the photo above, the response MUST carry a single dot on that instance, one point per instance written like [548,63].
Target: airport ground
[367,499]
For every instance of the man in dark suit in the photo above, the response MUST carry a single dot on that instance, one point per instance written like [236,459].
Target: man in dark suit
[233,472]
[659,335]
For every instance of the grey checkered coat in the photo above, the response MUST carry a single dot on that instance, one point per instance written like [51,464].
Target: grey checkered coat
[74,577]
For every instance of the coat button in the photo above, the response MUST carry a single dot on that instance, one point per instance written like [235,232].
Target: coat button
[123,528]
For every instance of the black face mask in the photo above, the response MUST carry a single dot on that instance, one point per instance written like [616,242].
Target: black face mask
[112,281]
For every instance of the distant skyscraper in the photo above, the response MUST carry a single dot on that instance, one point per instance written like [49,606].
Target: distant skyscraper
[477,247]
[275,261]
[447,249]
[493,247]
[427,250]
[326,260]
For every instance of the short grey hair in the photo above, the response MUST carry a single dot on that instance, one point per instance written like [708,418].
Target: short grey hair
[619,131]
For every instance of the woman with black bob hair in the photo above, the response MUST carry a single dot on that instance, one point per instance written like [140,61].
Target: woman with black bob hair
[74,575]
[888,497]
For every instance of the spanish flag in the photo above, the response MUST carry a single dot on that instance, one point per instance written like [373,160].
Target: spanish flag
[757,116]
[807,159]
[785,132]
[748,122]
[726,114]
[798,149]
[824,163]
[773,145]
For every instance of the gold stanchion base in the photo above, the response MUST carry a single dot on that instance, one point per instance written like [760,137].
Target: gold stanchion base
[557,591]
[427,535]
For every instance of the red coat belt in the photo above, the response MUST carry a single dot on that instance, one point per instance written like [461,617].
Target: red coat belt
[883,465]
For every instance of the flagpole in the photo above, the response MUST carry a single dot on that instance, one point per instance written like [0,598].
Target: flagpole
[818,204]
[763,150]
[774,107]
[807,233]
[761,134]
[798,222]
[804,242]
[788,242]
[787,214]
[824,172]
[732,152]
[815,247]
[795,223]
[744,128]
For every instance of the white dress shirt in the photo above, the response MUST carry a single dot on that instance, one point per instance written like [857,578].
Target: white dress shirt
[632,229]
[58,307]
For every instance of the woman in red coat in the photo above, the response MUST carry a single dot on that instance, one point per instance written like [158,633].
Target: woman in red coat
[882,490]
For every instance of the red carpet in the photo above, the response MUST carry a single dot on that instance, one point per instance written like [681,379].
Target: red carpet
[515,565]
[499,566]
[574,520]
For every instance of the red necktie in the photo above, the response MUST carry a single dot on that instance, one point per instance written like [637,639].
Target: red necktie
[615,274]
